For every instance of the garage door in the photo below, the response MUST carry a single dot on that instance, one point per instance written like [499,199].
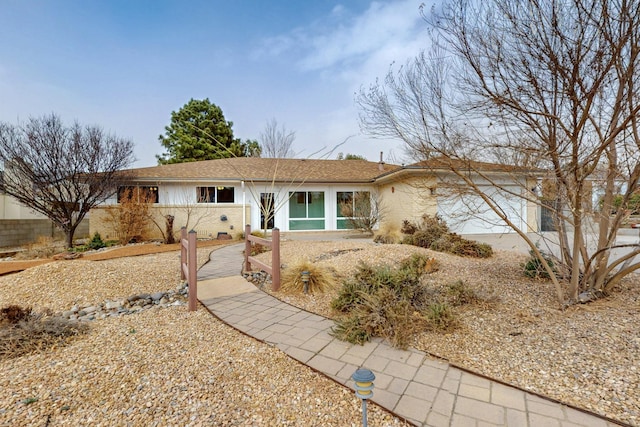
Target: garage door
[469,214]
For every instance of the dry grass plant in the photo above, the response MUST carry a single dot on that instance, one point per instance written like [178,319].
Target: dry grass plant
[44,247]
[320,279]
[388,234]
[24,332]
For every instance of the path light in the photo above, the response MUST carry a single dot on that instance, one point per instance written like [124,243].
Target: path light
[305,280]
[364,389]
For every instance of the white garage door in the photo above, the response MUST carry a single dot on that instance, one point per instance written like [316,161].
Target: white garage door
[469,214]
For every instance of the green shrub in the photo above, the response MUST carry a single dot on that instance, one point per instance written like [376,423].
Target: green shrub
[441,316]
[534,269]
[96,242]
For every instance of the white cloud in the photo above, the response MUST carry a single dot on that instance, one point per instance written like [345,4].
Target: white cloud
[356,38]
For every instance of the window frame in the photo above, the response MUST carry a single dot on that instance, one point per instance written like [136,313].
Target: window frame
[211,194]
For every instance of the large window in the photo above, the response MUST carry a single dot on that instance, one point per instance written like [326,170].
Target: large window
[351,204]
[138,193]
[306,210]
[215,194]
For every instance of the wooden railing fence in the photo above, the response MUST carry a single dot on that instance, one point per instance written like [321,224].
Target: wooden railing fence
[188,265]
[274,245]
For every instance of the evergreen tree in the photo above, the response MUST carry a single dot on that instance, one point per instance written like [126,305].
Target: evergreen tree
[199,131]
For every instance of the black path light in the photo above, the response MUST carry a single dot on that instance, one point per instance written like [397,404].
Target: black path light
[364,389]
[305,280]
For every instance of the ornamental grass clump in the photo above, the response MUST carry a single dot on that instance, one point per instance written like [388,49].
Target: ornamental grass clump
[23,331]
[320,278]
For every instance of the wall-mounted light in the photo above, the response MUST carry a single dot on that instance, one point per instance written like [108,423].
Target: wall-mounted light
[223,218]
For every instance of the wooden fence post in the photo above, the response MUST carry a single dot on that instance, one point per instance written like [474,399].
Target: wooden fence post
[247,247]
[275,259]
[183,251]
[193,274]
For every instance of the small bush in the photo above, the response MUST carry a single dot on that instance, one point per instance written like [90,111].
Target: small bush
[458,293]
[320,279]
[256,248]
[408,227]
[383,301]
[441,316]
[433,233]
[534,269]
[96,242]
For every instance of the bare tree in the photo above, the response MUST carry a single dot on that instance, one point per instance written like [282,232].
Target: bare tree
[363,211]
[276,141]
[61,172]
[545,85]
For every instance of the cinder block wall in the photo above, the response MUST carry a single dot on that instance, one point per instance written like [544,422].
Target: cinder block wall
[18,232]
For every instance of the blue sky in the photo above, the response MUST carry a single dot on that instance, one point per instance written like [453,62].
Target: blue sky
[125,65]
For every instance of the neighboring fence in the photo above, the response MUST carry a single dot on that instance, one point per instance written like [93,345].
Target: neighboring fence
[188,265]
[18,232]
[274,245]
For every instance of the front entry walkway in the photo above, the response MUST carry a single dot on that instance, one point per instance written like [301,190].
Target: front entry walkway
[423,390]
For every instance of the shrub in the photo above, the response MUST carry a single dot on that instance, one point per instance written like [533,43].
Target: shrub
[433,233]
[383,301]
[96,242]
[425,233]
[257,248]
[534,269]
[441,316]
[320,279]
[458,293]
[132,216]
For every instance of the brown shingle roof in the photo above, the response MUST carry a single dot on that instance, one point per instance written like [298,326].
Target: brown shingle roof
[444,163]
[268,170]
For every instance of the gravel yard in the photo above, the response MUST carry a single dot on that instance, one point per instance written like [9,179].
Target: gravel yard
[159,367]
[171,367]
[587,356]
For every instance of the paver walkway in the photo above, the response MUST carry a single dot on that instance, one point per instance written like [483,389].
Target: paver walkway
[423,390]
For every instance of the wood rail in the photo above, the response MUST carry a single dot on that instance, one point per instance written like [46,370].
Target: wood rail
[188,265]
[274,245]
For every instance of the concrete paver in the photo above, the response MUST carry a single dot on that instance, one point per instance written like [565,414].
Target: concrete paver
[423,390]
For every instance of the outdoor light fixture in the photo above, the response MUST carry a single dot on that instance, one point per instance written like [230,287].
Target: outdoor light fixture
[364,389]
[305,280]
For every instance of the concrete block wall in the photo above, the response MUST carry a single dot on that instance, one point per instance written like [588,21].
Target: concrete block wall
[18,232]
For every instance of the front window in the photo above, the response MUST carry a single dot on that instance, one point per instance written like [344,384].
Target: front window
[218,194]
[306,210]
[351,204]
[139,194]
